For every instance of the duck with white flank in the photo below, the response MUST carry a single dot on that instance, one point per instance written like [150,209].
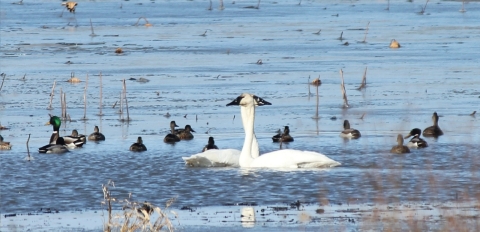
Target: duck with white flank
[349,132]
[416,141]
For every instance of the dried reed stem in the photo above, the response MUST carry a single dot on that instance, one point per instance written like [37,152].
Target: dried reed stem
[125,96]
[344,92]
[366,32]
[425,7]
[91,28]
[28,158]
[364,80]
[3,79]
[85,99]
[101,95]
[51,96]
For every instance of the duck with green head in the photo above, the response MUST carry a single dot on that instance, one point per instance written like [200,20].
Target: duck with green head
[70,141]
[4,145]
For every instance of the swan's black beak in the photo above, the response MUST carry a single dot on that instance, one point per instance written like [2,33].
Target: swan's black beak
[236,102]
[260,102]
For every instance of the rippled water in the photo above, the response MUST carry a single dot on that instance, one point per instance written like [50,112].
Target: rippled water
[436,69]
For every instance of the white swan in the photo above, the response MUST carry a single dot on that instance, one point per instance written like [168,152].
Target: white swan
[277,159]
[227,157]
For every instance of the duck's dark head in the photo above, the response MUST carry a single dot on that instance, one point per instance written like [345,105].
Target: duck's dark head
[189,128]
[211,141]
[346,124]
[414,132]
[139,140]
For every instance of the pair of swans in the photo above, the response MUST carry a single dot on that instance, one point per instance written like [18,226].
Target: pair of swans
[249,156]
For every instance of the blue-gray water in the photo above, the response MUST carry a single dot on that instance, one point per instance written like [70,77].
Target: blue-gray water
[436,69]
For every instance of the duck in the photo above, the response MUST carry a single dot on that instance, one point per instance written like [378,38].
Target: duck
[75,136]
[210,145]
[4,145]
[416,141]
[283,137]
[287,158]
[138,146]
[172,137]
[185,134]
[349,132]
[433,131]
[58,147]
[96,135]
[394,44]
[71,142]
[400,148]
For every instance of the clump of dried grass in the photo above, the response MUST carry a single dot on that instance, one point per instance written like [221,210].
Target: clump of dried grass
[135,216]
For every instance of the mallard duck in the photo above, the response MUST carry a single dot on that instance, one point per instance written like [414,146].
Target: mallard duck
[75,135]
[349,132]
[433,131]
[185,134]
[57,148]
[400,148]
[138,146]
[96,135]
[4,145]
[210,145]
[172,137]
[70,141]
[283,137]
[416,141]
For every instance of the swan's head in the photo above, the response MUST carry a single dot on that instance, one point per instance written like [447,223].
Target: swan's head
[247,99]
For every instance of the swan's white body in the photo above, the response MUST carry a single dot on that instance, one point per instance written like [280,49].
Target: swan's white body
[277,159]
[214,158]
[249,156]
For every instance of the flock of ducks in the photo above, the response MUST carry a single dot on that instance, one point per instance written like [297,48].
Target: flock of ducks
[60,144]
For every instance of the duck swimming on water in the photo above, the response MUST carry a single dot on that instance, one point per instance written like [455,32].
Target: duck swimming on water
[416,141]
[400,148]
[96,135]
[349,132]
[283,137]
[433,131]
[171,137]
[138,146]
[210,145]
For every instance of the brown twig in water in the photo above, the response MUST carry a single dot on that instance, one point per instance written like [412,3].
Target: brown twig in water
[3,79]
[425,7]
[125,96]
[101,95]
[51,96]
[254,7]
[366,32]
[210,7]
[344,92]
[388,5]
[28,158]
[341,37]
[363,115]
[364,80]
[221,6]
[91,28]
[473,114]
[147,24]
[85,99]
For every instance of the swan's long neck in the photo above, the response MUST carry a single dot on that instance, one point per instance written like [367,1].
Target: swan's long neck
[250,148]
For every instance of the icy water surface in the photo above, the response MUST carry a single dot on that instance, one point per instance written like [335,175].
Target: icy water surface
[194,75]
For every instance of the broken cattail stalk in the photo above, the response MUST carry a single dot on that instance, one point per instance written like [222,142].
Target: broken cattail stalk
[51,96]
[364,80]
[317,82]
[344,92]
[91,28]
[220,7]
